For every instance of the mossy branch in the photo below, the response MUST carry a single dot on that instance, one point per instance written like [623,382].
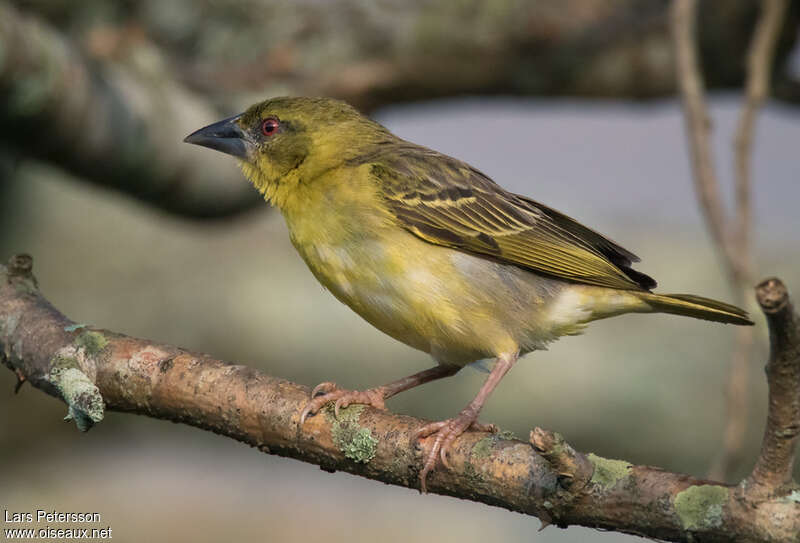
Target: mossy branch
[546,478]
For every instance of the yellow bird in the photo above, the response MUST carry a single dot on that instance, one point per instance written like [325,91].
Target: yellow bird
[431,251]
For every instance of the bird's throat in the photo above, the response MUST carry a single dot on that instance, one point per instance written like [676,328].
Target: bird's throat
[275,189]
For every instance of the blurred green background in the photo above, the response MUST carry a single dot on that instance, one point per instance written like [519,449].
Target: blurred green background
[646,389]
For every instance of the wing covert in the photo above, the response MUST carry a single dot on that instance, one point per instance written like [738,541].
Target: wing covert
[447,202]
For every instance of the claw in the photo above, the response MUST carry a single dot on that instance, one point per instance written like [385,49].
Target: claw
[311,409]
[314,405]
[445,432]
[429,429]
[478,427]
[304,414]
[423,476]
[323,388]
[339,403]
[329,392]
[443,456]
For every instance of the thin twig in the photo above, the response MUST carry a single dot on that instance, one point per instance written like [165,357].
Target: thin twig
[759,70]
[737,401]
[733,238]
[698,125]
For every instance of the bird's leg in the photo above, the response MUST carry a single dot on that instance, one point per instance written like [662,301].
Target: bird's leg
[445,432]
[329,392]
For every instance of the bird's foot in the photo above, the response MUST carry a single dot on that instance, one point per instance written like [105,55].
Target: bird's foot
[327,392]
[444,433]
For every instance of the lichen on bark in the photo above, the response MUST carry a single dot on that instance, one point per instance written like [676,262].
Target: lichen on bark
[354,440]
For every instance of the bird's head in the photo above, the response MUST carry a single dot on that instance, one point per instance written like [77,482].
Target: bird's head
[283,141]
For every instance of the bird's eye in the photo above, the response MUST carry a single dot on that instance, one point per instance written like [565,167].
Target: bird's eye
[269,126]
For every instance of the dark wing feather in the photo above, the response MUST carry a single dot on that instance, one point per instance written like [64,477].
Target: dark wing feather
[447,202]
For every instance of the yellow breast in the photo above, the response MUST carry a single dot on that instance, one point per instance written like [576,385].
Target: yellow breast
[456,306]
[397,282]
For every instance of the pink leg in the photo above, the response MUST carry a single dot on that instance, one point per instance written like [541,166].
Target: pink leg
[445,432]
[328,392]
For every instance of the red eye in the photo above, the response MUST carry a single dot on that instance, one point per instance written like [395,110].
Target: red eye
[269,126]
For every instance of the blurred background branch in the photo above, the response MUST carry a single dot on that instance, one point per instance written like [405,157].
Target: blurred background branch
[101,87]
[732,236]
[118,124]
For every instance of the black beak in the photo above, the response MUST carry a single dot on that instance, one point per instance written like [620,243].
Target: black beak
[225,136]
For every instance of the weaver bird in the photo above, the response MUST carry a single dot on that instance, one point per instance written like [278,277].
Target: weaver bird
[431,251]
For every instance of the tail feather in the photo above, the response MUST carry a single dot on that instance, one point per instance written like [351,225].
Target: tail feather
[696,306]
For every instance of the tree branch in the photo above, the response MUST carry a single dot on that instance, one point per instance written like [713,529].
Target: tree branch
[108,96]
[118,125]
[698,127]
[418,49]
[772,473]
[90,368]
[759,70]
[732,237]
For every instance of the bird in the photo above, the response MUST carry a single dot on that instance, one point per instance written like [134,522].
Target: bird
[431,251]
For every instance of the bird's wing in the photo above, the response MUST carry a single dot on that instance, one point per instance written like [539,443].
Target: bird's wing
[447,202]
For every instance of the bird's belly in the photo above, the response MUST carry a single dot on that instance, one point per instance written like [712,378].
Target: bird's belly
[375,284]
[453,305]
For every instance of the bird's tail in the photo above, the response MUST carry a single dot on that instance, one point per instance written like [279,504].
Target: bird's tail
[696,306]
